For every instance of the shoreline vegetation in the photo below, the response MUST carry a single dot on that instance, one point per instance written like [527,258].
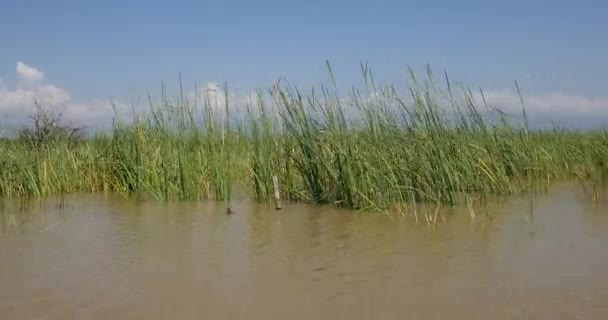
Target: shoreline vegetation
[374,149]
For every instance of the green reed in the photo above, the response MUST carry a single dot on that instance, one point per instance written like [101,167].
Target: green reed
[373,148]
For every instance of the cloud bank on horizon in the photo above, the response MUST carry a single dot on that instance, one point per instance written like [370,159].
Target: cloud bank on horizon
[18,100]
[30,87]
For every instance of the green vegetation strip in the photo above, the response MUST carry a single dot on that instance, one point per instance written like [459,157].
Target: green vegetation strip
[371,150]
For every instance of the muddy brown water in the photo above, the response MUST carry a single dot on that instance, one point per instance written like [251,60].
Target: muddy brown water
[102,257]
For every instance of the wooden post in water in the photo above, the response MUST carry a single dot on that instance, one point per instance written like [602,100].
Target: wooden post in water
[277,192]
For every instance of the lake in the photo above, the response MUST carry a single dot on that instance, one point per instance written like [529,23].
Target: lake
[94,256]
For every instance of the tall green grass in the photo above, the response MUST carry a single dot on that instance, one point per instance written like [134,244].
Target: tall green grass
[373,148]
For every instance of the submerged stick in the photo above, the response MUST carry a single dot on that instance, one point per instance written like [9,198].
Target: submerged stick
[277,192]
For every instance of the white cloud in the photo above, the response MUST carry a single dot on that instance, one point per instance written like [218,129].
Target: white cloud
[509,101]
[28,74]
[214,95]
[18,101]
[30,88]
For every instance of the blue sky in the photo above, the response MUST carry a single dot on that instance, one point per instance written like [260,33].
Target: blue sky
[95,50]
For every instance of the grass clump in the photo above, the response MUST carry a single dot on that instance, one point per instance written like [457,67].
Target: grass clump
[374,149]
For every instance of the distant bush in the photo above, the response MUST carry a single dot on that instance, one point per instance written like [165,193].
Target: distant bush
[47,126]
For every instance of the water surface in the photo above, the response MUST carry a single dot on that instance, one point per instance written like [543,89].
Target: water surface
[102,257]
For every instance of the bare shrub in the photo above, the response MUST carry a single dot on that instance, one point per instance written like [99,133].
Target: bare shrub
[47,126]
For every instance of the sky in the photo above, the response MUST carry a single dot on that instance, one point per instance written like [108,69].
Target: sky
[81,54]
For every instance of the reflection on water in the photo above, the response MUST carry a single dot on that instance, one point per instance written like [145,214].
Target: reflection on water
[100,257]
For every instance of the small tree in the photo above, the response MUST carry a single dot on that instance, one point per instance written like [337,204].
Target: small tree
[47,125]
